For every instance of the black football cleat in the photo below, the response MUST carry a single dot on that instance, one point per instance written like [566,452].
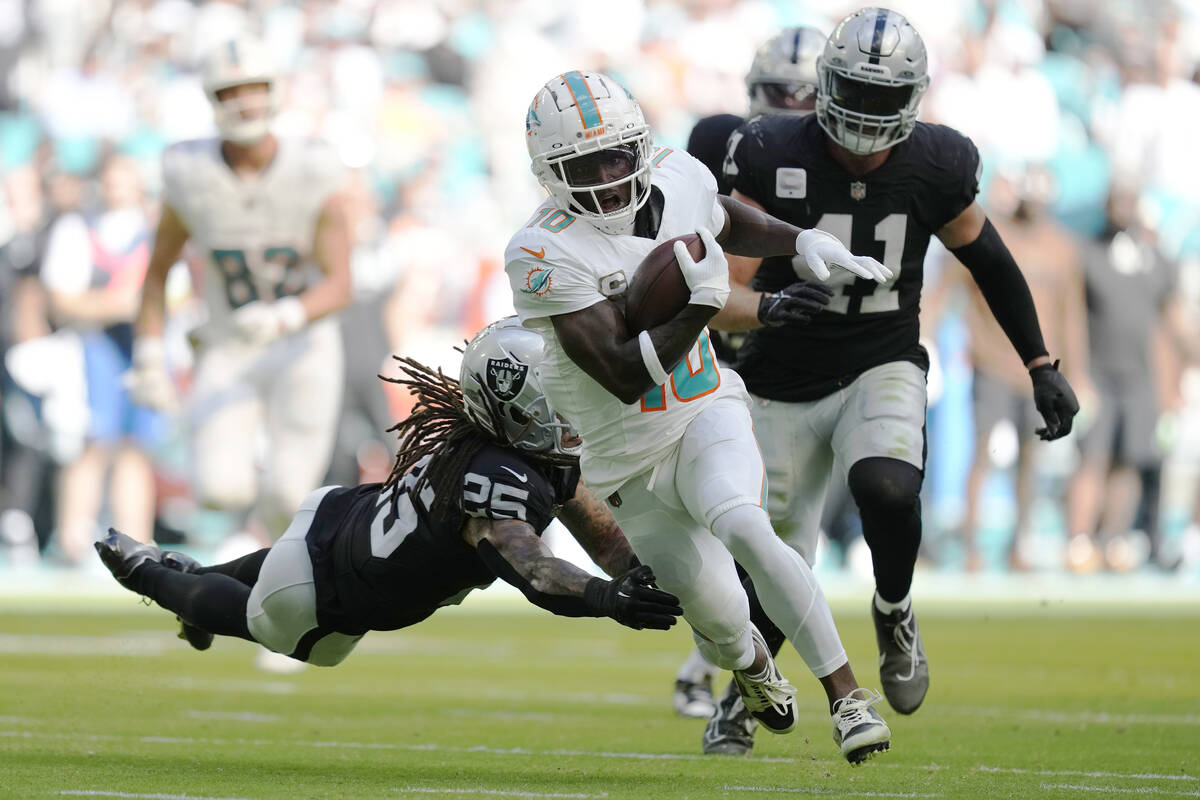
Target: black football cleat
[123,556]
[196,637]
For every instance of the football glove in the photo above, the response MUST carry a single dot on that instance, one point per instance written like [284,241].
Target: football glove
[708,278]
[820,249]
[795,305]
[1055,401]
[147,379]
[262,322]
[633,600]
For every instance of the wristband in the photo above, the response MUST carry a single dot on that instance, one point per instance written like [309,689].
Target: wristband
[650,359]
[292,315]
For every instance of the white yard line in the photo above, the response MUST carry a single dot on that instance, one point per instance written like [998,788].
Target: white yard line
[99,793]
[1076,773]
[840,792]
[498,792]
[1118,790]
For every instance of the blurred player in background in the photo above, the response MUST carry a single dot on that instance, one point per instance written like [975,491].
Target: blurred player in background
[851,385]
[93,270]
[678,463]
[782,80]
[268,221]
[484,465]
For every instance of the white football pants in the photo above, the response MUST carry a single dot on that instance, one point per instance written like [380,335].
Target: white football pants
[703,503]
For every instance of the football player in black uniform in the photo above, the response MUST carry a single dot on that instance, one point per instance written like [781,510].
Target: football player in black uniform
[484,464]
[849,388]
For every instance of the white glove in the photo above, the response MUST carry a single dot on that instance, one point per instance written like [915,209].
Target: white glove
[820,249]
[147,379]
[262,323]
[708,278]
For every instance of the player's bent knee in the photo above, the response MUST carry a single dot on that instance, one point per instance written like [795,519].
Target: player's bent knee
[885,485]
[747,533]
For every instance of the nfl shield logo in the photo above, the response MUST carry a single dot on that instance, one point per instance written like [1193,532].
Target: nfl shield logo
[858,190]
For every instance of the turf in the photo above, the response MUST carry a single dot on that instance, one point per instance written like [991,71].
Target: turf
[504,702]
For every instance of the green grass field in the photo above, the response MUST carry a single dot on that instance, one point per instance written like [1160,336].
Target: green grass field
[496,701]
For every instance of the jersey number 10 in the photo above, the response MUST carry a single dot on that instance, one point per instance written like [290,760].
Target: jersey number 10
[692,378]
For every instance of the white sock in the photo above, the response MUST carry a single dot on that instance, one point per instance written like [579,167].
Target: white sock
[887,608]
[696,669]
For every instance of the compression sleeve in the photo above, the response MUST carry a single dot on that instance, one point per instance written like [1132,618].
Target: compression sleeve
[1005,289]
[563,605]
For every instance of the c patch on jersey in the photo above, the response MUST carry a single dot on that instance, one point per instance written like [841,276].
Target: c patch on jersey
[791,182]
[505,378]
[614,283]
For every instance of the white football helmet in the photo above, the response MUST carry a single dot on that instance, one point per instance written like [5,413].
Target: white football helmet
[783,77]
[238,62]
[502,390]
[872,76]
[589,144]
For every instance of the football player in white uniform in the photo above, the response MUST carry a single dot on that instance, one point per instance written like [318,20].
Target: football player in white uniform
[267,218]
[666,432]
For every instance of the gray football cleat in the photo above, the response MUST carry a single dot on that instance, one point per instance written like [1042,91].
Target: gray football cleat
[903,671]
[857,727]
[196,637]
[768,696]
[123,556]
[694,699]
[730,730]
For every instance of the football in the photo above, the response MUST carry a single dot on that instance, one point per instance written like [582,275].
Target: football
[657,291]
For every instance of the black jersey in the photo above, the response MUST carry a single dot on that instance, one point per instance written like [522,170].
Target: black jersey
[380,565]
[784,164]
[709,143]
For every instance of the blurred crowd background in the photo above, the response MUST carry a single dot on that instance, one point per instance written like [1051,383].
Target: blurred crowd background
[1085,111]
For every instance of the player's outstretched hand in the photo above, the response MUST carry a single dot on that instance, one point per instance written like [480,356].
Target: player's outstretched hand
[795,305]
[708,278]
[633,600]
[1055,401]
[821,249]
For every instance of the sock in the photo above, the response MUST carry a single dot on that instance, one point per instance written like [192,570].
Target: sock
[244,569]
[212,602]
[696,669]
[887,608]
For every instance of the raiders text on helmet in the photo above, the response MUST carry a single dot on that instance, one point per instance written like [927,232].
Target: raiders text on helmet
[241,62]
[581,129]
[502,389]
[872,76]
[784,73]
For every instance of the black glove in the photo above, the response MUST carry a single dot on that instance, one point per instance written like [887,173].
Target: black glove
[633,600]
[1055,401]
[795,305]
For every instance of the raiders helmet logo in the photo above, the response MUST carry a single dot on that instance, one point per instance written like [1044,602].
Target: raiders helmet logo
[505,377]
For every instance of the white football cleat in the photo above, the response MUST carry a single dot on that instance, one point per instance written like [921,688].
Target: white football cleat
[857,727]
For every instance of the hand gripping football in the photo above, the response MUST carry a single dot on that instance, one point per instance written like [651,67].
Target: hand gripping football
[657,291]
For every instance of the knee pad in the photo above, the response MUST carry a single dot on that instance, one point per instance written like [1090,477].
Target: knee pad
[885,486]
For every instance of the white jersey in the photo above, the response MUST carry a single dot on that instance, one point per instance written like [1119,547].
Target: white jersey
[558,264]
[256,233]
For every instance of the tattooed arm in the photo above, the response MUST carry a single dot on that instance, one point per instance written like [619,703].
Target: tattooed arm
[593,526]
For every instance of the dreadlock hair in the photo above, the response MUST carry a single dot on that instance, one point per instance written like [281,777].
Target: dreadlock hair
[438,426]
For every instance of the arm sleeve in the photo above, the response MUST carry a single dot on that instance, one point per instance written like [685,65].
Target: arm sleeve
[1004,287]
[67,265]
